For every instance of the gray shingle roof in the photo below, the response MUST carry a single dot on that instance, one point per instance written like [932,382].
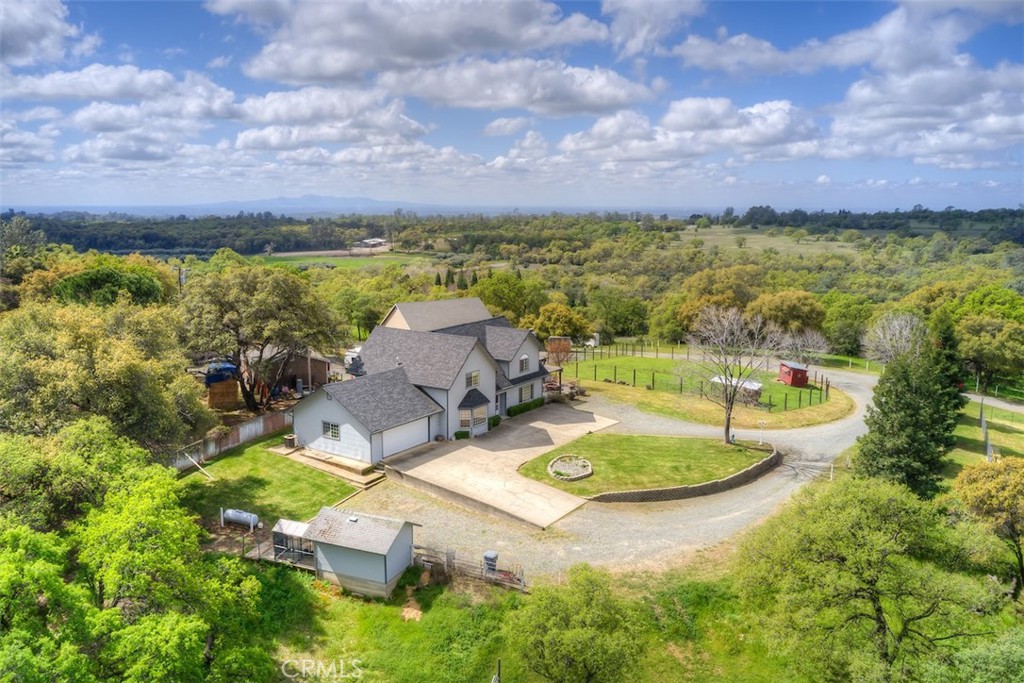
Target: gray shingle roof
[383,400]
[794,365]
[497,335]
[473,399]
[369,533]
[429,359]
[427,316]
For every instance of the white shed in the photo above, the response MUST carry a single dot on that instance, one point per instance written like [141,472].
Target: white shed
[368,418]
[365,554]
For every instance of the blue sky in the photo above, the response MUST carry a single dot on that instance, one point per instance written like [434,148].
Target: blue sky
[614,104]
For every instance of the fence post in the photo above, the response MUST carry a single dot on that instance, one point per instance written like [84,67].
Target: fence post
[577,369]
[770,403]
[680,385]
[652,380]
[634,377]
[595,372]
[615,373]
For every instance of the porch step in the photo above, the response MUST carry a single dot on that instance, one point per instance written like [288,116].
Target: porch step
[360,474]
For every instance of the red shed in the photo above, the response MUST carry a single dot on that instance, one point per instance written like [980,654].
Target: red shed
[793,374]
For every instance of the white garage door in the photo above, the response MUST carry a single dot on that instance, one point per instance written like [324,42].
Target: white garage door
[408,435]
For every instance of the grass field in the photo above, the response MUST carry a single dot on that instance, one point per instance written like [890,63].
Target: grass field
[1005,433]
[758,240]
[351,262]
[252,478]
[624,462]
[665,398]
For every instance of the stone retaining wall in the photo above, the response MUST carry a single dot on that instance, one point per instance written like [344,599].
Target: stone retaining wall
[680,492]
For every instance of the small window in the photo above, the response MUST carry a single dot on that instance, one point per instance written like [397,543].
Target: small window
[465,419]
[479,415]
[332,430]
[472,379]
[524,363]
[526,393]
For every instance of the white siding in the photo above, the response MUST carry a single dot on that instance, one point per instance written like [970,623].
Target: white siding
[405,436]
[481,361]
[530,347]
[310,414]
[400,553]
[342,562]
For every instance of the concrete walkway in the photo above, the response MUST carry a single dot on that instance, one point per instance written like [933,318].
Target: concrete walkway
[482,473]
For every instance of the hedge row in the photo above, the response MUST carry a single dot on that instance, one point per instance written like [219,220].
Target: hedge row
[523,407]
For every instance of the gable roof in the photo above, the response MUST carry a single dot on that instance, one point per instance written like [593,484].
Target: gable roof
[497,335]
[369,533]
[383,400]
[428,316]
[429,359]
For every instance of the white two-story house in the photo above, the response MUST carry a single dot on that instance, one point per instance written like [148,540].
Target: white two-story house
[433,368]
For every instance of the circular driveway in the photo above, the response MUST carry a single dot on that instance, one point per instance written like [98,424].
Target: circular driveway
[632,535]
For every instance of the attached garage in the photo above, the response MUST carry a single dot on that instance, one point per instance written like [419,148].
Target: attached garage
[366,419]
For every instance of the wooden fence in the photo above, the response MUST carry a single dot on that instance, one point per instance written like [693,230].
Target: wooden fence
[212,446]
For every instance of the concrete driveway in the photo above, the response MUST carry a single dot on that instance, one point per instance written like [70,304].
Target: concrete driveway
[481,473]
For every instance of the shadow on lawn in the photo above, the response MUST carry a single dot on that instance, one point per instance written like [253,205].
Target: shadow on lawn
[205,497]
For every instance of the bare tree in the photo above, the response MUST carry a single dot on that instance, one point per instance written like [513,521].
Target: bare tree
[806,346]
[732,348]
[559,350]
[894,334]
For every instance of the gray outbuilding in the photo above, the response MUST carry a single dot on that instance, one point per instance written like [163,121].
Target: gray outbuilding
[365,554]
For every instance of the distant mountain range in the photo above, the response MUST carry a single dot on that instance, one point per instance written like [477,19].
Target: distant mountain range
[319,205]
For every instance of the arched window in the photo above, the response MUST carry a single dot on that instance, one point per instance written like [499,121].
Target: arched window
[524,363]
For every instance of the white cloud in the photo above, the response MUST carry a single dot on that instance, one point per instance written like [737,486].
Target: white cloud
[899,41]
[35,31]
[696,127]
[540,86]
[367,126]
[96,81]
[311,105]
[640,26]
[19,146]
[823,180]
[506,126]
[317,42]
[220,62]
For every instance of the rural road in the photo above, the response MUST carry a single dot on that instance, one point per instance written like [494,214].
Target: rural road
[648,536]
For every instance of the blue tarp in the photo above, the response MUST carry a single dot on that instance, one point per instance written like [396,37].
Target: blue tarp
[220,372]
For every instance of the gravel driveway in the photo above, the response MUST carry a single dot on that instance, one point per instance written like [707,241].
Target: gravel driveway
[626,535]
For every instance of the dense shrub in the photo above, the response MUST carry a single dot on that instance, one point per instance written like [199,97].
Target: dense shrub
[523,407]
[493,421]
[461,434]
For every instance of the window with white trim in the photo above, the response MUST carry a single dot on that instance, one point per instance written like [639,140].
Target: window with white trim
[479,415]
[526,393]
[472,379]
[524,363]
[465,419]
[332,430]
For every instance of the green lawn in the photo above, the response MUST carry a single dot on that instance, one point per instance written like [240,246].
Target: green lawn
[350,262]
[802,406]
[252,478]
[625,462]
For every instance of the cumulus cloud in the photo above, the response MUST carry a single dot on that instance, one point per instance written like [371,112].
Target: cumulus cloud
[822,180]
[943,116]
[35,31]
[899,41]
[506,126]
[311,104]
[540,86]
[18,146]
[96,81]
[364,126]
[220,62]
[699,126]
[640,26]
[318,42]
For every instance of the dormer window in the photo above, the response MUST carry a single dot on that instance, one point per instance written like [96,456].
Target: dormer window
[524,363]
